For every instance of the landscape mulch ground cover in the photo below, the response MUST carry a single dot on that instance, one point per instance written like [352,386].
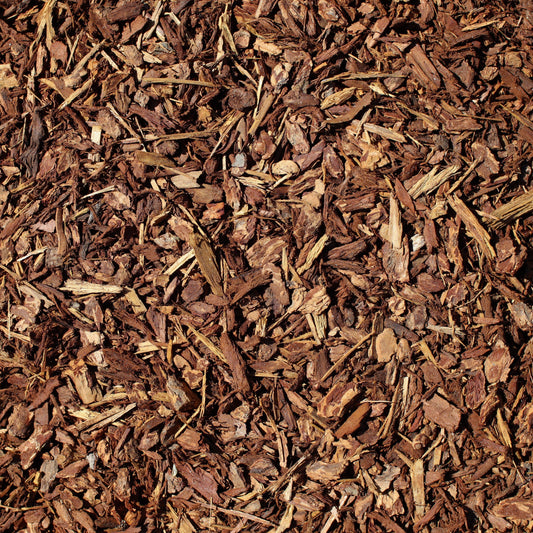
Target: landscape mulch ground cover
[266,266]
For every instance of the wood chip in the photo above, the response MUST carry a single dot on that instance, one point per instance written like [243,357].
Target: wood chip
[265,266]
[442,413]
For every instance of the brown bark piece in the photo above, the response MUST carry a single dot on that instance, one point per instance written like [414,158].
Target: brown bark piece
[353,422]
[515,508]
[29,450]
[498,362]
[125,11]
[235,362]
[522,315]
[181,396]
[336,400]
[385,345]
[442,413]
[260,260]
[200,481]
[20,421]
[423,68]
[475,393]
[322,471]
[265,250]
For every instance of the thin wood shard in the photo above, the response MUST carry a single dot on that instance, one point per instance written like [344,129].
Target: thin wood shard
[266,266]
[511,211]
[337,98]
[396,250]
[85,287]
[313,254]
[83,381]
[208,263]
[418,486]
[432,181]
[473,225]
[62,244]
[155,160]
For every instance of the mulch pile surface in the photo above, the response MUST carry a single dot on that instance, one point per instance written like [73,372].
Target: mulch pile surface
[266,266]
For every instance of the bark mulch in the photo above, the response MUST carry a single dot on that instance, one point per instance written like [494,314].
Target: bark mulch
[266,265]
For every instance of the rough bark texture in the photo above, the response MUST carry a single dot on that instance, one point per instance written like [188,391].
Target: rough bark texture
[266,266]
